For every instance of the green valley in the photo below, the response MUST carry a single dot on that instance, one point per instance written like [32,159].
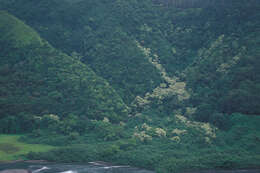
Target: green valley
[166,85]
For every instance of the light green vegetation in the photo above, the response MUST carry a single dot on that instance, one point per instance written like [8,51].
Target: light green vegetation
[12,149]
[17,32]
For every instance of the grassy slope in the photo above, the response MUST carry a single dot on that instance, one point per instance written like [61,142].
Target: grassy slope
[12,149]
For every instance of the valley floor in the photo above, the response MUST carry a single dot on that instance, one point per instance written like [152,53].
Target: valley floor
[12,149]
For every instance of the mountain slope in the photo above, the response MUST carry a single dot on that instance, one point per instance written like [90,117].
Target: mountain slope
[188,71]
[108,36]
[99,38]
[37,79]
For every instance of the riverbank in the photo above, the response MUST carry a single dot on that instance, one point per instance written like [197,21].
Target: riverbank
[107,165]
[12,149]
[23,161]
[138,157]
[20,166]
[228,171]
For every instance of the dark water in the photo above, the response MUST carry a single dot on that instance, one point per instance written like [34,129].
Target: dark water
[72,168]
[95,168]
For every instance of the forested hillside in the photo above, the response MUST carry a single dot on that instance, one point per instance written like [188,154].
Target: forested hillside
[169,85]
[37,79]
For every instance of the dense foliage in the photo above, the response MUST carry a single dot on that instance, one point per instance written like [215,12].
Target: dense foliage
[234,149]
[37,79]
[169,85]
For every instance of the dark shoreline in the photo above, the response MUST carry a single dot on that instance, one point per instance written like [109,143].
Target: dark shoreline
[245,170]
[24,161]
[253,170]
